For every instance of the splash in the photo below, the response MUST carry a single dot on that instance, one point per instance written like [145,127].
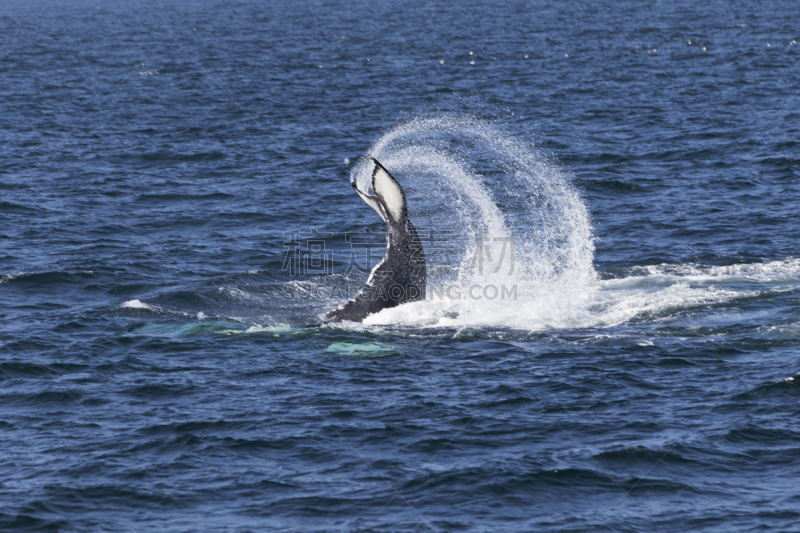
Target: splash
[657,292]
[509,244]
[507,236]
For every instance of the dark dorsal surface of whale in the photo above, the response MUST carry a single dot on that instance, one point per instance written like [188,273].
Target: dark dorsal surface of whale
[401,275]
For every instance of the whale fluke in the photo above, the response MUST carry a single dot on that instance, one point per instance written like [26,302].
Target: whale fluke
[401,275]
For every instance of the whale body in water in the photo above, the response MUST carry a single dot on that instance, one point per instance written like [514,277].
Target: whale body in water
[401,275]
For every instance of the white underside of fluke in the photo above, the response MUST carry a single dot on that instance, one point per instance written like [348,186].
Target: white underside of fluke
[388,190]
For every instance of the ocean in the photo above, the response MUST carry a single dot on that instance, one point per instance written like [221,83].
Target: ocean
[608,194]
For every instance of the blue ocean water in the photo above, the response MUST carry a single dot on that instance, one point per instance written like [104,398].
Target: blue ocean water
[175,206]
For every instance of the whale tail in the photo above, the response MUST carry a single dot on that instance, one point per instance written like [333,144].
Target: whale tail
[389,200]
[401,275]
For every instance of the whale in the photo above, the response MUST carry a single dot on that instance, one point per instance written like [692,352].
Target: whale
[401,275]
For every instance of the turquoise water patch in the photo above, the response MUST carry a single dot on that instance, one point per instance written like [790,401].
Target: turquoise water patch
[367,349]
[169,329]
[215,326]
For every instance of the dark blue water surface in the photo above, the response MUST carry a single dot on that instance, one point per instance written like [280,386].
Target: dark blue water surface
[158,156]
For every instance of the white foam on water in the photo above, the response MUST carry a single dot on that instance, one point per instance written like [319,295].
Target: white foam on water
[136,304]
[618,303]
[479,188]
[652,296]
[658,290]
[8,277]
[787,270]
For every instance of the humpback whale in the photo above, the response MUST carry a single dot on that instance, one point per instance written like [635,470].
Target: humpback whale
[401,275]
